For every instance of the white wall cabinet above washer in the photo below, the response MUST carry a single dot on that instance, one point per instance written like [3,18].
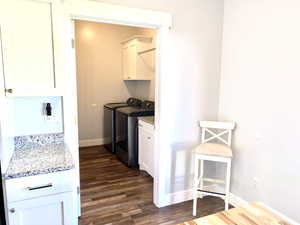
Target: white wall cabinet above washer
[27,47]
[137,63]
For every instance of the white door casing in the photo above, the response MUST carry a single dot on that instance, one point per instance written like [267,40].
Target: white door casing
[65,67]
[115,14]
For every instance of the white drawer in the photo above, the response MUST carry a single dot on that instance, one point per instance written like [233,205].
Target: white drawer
[40,185]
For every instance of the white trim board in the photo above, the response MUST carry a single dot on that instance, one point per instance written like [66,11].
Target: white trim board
[93,142]
[237,201]
[178,197]
[117,14]
[182,196]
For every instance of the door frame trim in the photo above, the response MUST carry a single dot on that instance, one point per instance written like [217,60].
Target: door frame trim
[115,14]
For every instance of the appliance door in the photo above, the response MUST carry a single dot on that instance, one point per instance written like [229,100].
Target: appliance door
[108,128]
[122,137]
[133,142]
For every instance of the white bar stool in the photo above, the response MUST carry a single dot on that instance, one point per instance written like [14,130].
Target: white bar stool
[217,152]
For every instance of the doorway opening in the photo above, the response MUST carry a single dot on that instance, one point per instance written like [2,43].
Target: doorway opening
[115,67]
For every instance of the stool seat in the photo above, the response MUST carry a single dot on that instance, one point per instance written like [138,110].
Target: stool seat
[214,149]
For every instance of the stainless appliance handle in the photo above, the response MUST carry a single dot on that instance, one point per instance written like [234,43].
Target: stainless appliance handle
[40,187]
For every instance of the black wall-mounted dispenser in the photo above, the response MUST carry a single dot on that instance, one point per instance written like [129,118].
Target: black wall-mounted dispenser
[48,109]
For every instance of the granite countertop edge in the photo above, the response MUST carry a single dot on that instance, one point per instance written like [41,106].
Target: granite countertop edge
[69,165]
[37,172]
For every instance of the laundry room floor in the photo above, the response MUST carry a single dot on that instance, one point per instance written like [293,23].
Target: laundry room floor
[112,194]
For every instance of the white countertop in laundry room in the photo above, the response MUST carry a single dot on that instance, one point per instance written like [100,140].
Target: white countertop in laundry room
[147,119]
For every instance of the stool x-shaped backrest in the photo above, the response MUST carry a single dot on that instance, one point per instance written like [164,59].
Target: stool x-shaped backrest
[225,127]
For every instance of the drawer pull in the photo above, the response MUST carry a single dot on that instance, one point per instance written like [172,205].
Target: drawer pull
[40,187]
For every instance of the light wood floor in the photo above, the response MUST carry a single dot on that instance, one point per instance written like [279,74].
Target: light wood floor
[113,194]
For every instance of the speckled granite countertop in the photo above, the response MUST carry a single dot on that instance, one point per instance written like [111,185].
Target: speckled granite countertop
[35,160]
[147,119]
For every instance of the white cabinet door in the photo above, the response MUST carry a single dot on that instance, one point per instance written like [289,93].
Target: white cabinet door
[125,62]
[129,61]
[146,150]
[137,60]
[49,210]
[26,33]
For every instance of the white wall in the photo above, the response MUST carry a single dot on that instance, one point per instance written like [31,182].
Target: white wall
[259,90]
[99,74]
[191,86]
[26,116]
[29,115]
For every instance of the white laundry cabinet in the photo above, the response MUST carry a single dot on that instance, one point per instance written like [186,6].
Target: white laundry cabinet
[137,62]
[146,147]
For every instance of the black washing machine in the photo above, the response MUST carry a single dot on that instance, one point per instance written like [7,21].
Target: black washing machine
[127,127]
[110,121]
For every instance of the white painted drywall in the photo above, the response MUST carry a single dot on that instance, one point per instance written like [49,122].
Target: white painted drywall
[29,115]
[259,90]
[26,116]
[99,74]
[191,86]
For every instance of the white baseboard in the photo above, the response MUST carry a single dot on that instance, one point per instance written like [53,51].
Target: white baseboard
[93,142]
[234,200]
[237,201]
[285,218]
[183,196]
[178,197]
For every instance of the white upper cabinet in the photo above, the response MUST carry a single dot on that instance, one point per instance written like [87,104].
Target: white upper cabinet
[27,47]
[138,64]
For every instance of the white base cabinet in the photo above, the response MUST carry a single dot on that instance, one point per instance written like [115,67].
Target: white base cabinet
[146,147]
[48,210]
[47,199]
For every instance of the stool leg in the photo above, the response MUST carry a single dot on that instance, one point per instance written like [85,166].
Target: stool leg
[228,172]
[196,177]
[201,175]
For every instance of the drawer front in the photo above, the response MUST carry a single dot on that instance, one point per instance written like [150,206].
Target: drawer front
[41,185]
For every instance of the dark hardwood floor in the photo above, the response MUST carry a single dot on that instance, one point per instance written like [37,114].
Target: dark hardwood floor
[113,194]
